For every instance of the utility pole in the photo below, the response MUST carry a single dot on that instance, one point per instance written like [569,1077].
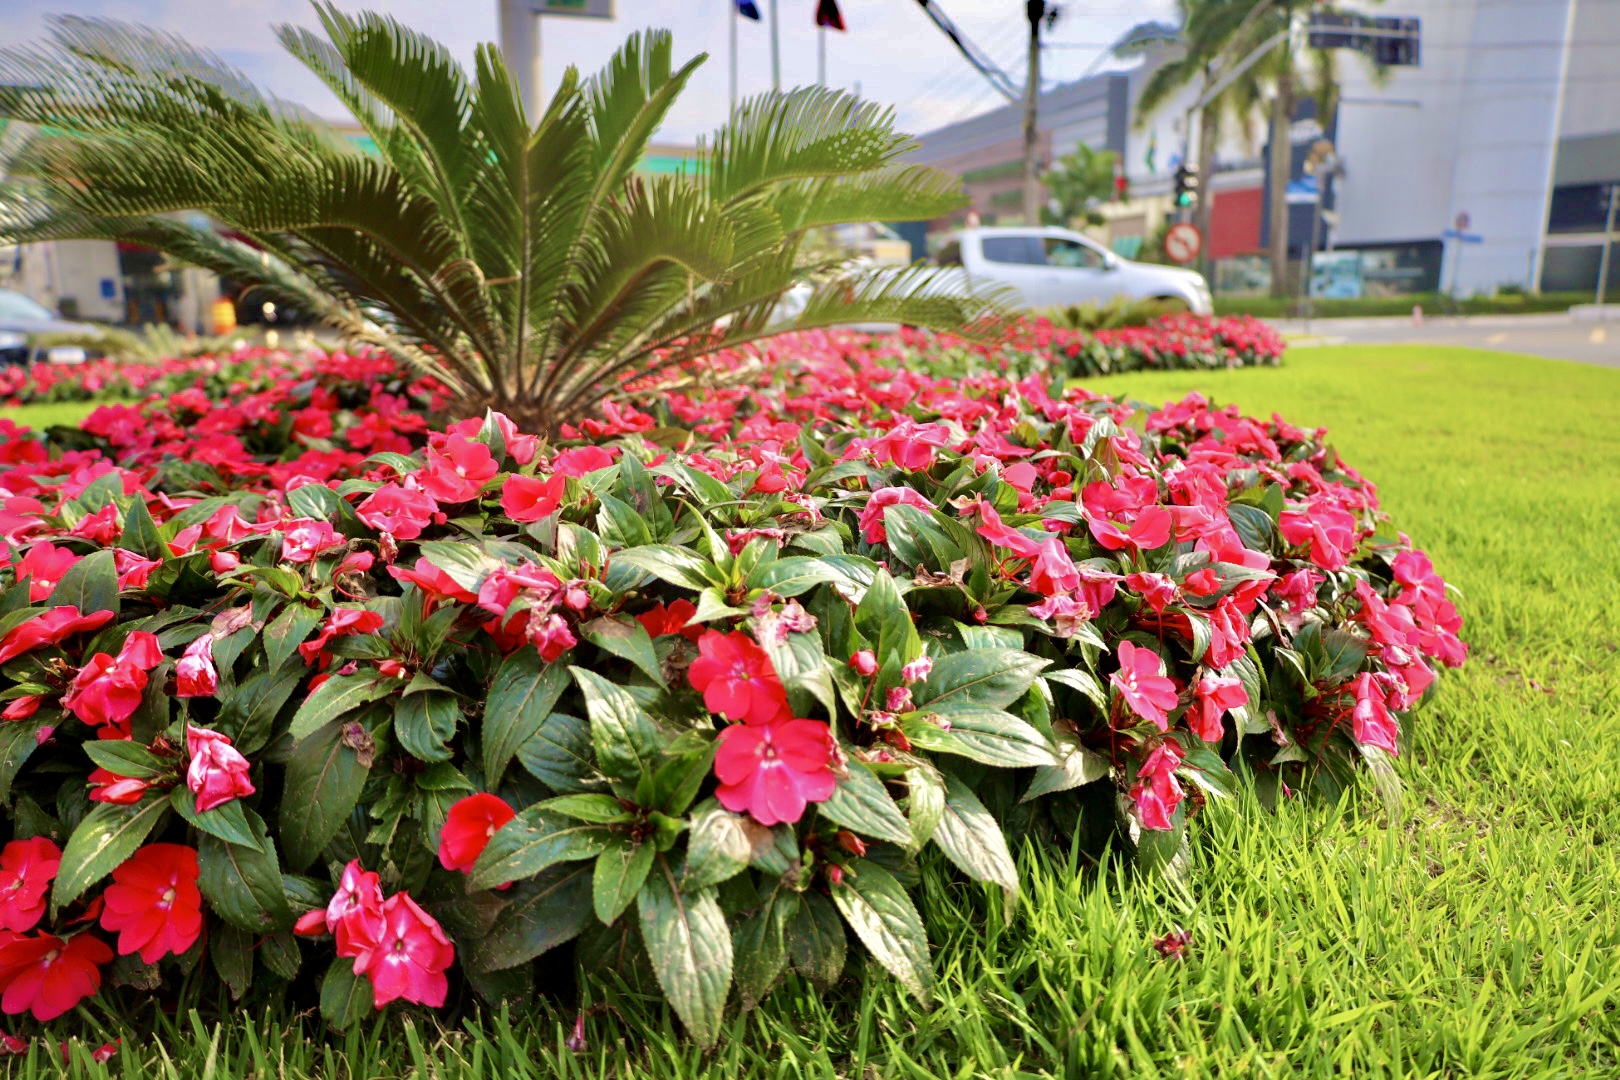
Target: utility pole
[520,44]
[1608,239]
[1035,11]
[776,49]
[733,55]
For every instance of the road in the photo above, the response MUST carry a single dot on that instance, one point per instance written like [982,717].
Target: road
[1557,336]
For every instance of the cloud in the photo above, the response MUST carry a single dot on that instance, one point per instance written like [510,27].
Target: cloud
[891,50]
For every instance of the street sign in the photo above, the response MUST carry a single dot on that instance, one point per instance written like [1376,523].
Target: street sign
[1183,242]
[1462,221]
[1464,237]
[580,9]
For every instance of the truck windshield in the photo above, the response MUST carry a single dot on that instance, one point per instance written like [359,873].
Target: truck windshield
[1018,250]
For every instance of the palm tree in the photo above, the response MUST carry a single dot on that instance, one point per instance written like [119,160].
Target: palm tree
[1078,182]
[521,260]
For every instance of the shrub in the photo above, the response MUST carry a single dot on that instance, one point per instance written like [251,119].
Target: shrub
[694,698]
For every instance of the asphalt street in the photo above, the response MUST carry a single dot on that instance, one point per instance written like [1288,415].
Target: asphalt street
[1556,336]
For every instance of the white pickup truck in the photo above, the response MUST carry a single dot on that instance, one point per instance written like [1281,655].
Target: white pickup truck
[1051,267]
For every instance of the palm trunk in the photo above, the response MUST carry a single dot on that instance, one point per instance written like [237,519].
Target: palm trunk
[1203,210]
[1282,148]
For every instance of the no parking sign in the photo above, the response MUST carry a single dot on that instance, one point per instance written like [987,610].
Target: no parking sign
[1183,242]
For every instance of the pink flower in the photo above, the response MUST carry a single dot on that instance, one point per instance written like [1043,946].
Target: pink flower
[42,566]
[872,516]
[1159,590]
[1329,530]
[1215,695]
[911,445]
[1157,792]
[456,471]
[133,570]
[107,690]
[525,498]
[1005,536]
[109,787]
[864,662]
[343,622]
[218,772]
[916,671]
[410,957]
[1053,571]
[52,628]
[773,771]
[580,461]
[27,868]
[195,675]
[1150,530]
[402,511]
[433,581]
[551,635]
[1150,694]
[1067,613]
[468,827]
[1370,718]
[355,913]
[737,679]
[305,538]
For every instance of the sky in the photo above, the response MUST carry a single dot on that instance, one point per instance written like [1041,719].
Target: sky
[891,52]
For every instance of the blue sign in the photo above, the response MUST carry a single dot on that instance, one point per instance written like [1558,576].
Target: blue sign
[1467,238]
[109,289]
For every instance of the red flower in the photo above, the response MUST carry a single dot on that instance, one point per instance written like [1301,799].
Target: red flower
[1370,718]
[468,827]
[27,868]
[47,976]
[456,471]
[1159,590]
[343,622]
[1157,798]
[52,628]
[1053,571]
[109,787]
[355,913]
[21,708]
[1329,530]
[437,584]
[305,538]
[525,498]
[42,566]
[410,957]
[1002,535]
[1149,531]
[218,772]
[108,689]
[1215,695]
[153,903]
[772,771]
[659,620]
[581,460]
[737,679]
[1149,693]
[401,511]
[195,675]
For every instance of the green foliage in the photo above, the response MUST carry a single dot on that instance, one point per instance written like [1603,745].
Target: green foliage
[1079,181]
[519,260]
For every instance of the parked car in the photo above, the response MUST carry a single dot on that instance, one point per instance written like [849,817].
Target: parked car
[23,322]
[1050,267]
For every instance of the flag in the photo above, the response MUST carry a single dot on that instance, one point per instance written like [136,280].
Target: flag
[828,15]
[748,10]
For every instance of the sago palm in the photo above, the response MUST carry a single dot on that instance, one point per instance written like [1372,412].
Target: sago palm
[521,260]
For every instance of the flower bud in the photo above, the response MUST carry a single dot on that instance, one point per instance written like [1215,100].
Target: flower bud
[864,662]
[917,670]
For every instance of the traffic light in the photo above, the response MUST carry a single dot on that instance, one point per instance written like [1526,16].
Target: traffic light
[1186,186]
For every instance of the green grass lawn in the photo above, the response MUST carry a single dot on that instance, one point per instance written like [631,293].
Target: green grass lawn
[50,414]
[1475,934]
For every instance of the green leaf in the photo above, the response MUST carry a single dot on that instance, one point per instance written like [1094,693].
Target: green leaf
[126,758]
[717,849]
[625,738]
[560,753]
[801,664]
[989,736]
[925,804]
[243,884]
[425,723]
[627,639]
[861,802]
[542,913]
[1083,681]
[1342,654]
[760,945]
[346,998]
[690,947]
[676,565]
[467,564]
[791,576]
[877,908]
[596,809]
[91,584]
[524,692]
[107,836]
[323,782]
[249,716]
[620,525]
[18,740]
[231,950]
[287,631]
[882,616]
[620,872]
[141,532]
[228,821]
[1076,767]
[988,678]
[970,837]
[816,941]
[336,696]
[532,841]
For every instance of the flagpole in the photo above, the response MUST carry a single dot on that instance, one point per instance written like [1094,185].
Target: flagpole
[776,50]
[733,4]
[821,55]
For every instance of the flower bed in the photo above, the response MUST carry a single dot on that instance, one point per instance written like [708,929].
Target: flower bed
[299,681]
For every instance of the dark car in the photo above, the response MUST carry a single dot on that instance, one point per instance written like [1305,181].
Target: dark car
[22,321]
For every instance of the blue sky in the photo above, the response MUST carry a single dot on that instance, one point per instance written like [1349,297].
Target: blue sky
[891,49]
